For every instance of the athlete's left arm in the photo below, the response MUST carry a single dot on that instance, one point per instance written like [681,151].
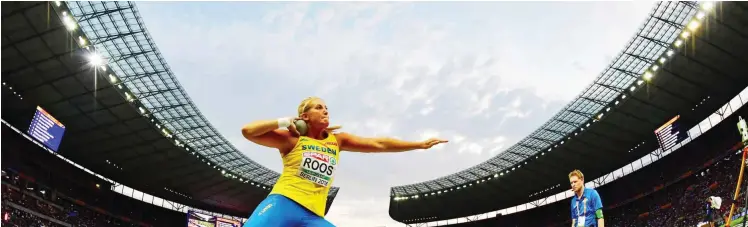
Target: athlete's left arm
[350,142]
[598,207]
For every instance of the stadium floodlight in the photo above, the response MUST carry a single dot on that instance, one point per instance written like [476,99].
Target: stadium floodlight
[95,59]
[678,43]
[129,97]
[656,67]
[68,22]
[693,25]
[113,79]
[685,34]
[81,40]
[640,82]
[58,3]
[663,60]
[700,15]
[622,97]
[648,76]
[707,5]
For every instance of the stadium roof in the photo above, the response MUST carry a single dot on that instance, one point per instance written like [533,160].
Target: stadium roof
[128,118]
[683,61]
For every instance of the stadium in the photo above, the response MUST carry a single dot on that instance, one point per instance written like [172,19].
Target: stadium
[97,131]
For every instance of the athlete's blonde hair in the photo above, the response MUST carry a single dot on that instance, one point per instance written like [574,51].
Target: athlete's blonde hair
[577,173]
[304,107]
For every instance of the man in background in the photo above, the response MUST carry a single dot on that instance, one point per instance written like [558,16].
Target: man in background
[586,206]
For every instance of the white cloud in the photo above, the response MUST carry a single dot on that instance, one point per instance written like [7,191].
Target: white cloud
[470,147]
[425,111]
[429,133]
[458,138]
[483,79]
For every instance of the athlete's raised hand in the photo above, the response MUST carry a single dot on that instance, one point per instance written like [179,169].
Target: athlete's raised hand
[292,128]
[431,142]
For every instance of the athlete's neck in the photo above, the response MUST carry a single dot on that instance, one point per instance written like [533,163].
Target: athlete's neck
[580,192]
[317,133]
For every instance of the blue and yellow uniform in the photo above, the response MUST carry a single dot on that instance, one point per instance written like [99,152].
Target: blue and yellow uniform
[299,196]
[587,209]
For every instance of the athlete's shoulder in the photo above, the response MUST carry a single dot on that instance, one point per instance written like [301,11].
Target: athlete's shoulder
[340,136]
[592,191]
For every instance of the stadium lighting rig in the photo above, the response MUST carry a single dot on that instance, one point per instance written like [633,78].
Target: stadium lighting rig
[691,28]
[95,60]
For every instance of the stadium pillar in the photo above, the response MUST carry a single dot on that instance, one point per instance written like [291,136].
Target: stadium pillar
[743,130]
[745,205]
[737,189]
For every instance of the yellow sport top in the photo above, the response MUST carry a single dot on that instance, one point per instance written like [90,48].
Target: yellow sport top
[308,172]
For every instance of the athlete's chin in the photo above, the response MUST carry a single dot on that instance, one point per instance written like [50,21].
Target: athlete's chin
[322,124]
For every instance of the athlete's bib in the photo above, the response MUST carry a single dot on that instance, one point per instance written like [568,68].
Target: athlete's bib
[580,221]
[581,213]
[317,168]
[309,172]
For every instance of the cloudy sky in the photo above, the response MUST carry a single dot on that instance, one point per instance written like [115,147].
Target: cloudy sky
[482,74]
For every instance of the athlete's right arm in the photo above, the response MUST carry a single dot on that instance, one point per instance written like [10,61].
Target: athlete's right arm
[267,133]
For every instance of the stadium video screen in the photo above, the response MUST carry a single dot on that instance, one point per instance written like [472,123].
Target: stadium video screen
[46,129]
[670,134]
[195,219]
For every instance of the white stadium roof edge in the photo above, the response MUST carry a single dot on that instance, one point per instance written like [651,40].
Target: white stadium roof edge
[647,51]
[705,125]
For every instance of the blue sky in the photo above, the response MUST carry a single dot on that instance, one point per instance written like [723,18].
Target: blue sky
[481,74]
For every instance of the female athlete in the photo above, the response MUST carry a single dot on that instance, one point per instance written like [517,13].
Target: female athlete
[299,196]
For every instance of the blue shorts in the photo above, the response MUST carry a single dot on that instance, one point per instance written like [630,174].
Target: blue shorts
[278,210]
